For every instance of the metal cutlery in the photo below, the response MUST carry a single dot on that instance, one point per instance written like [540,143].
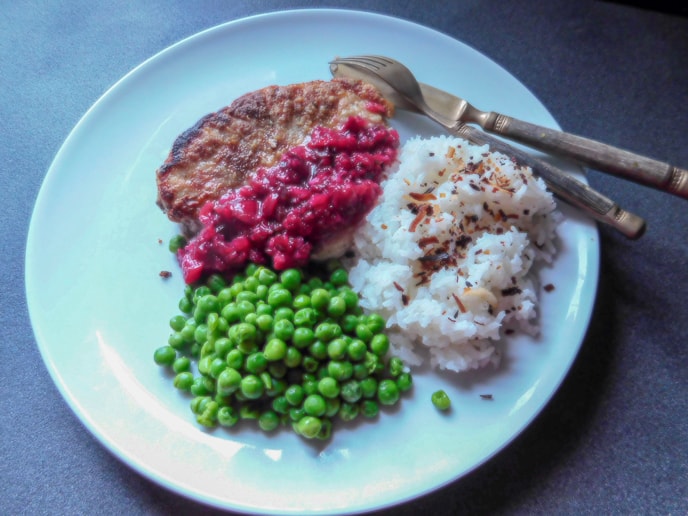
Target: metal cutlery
[564,185]
[594,154]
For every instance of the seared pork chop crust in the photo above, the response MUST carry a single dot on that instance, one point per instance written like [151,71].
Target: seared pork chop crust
[224,148]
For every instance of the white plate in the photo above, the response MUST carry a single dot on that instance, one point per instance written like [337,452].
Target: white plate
[99,307]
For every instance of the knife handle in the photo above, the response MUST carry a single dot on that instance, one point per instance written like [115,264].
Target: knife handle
[563,185]
[591,153]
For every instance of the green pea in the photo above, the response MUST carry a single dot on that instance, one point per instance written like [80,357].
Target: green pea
[356,350]
[280,405]
[198,404]
[387,392]
[176,340]
[441,400]
[337,349]
[208,417]
[262,308]
[189,331]
[336,306]
[176,243]
[201,333]
[256,363]
[165,356]
[181,365]
[369,408]
[216,283]
[284,312]
[379,344]
[201,291]
[404,382]
[339,277]
[328,387]
[314,405]
[208,304]
[235,359]
[294,395]
[251,284]
[303,337]
[368,387]
[251,269]
[396,366]
[178,322]
[340,370]
[275,349]
[279,297]
[245,307]
[375,322]
[320,298]
[291,279]
[301,301]
[318,350]
[283,329]
[266,276]
[363,332]
[248,296]
[262,293]
[268,421]
[348,323]
[309,426]
[333,406]
[223,346]
[293,357]
[351,391]
[306,317]
[296,413]
[186,305]
[310,364]
[243,334]
[228,381]
[350,297]
[252,387]
[310,385]
[264,322]
[217,366]
[225,296]
[348,411]
[231,313]
[184,380]
[202,386]
[326,331]
[227,416]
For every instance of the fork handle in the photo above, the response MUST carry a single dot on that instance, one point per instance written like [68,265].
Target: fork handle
[591,153]
[564,185]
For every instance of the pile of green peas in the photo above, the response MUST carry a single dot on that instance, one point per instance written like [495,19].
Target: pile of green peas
[292,349]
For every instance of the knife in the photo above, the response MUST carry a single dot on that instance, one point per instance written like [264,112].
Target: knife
[562,184]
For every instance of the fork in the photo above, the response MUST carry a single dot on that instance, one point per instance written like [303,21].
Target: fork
[564,185]
[585,151]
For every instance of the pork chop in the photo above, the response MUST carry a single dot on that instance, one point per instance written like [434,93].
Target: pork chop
[224,148]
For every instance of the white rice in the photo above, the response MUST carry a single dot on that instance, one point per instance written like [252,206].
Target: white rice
[479,288]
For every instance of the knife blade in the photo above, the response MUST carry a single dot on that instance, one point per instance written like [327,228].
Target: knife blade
[562,184]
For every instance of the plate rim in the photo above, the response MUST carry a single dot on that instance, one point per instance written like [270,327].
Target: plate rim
[83,416]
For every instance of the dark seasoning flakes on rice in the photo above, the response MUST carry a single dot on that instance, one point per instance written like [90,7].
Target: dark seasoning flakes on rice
[456,232]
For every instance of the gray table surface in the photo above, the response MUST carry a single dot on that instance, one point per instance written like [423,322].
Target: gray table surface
[613,440]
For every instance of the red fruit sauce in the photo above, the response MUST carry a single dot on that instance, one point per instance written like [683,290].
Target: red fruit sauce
[282,212]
